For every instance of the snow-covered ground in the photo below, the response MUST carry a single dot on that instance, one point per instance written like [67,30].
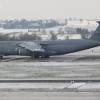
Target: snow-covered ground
[8,95]
[6,31]
[86,87]
[80,65]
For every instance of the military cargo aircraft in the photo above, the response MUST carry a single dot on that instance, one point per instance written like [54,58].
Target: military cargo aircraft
[45,49]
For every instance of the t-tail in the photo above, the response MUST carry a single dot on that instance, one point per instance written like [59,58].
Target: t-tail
[96,35]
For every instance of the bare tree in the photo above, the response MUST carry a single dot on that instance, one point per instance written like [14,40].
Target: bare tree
[53,35]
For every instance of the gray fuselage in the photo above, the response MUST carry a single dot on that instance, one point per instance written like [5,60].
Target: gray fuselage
[51,47]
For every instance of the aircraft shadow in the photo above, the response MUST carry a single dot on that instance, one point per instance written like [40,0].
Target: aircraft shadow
[53,59]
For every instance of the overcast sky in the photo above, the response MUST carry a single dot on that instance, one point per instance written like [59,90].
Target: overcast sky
[46,9]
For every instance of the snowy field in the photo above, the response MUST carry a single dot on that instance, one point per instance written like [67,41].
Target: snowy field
[50,87]
[81,65]
[50,95]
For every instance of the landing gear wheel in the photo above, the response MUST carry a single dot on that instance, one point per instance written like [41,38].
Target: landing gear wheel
[45,56]
[34,56]
[1,57]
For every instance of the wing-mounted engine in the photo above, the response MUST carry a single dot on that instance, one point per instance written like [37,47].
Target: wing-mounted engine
[35,48]
[32,46]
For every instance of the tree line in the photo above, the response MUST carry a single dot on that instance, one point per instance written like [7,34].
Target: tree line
[26,24]
[30,37]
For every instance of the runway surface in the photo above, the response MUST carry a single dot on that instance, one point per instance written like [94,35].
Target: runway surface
[51,87]
[84,65]
[49,96]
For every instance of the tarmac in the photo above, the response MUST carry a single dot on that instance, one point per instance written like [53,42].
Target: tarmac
[84,65]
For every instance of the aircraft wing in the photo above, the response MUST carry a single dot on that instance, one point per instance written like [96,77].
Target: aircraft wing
[32,46]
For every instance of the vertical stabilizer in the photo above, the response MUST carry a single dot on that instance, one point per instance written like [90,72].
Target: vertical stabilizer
[96,35]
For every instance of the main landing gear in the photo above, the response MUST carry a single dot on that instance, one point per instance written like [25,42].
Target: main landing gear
[1,57]
[36,56]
